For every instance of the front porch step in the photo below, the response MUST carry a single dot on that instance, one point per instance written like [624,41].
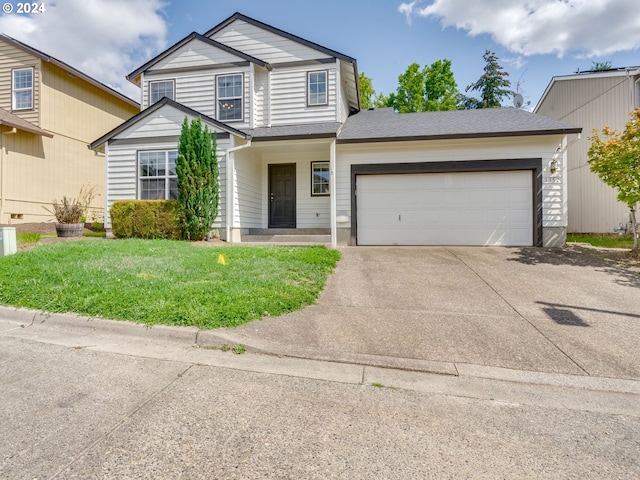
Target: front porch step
[292,239]
[289,231]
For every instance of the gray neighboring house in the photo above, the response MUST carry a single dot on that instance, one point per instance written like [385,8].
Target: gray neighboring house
[297,155]
[591,100]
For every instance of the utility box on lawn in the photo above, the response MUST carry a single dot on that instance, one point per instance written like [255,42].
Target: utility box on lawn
[7,241]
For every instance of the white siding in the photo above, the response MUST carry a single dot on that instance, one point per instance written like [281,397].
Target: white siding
[196,53]
[265,45]
[261,98]
[554,208]
[289,97]
[197,90]
[122,159]
[311,212]
[248,185]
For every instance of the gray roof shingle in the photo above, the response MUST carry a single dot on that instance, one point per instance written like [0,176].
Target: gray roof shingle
[384,125]
[294,132]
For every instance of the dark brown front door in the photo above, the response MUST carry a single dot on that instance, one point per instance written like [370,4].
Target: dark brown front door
[282,196]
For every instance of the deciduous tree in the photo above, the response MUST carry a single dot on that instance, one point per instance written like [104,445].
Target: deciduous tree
[615,157]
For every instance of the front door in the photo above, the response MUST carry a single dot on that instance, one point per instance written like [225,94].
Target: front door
[282,196]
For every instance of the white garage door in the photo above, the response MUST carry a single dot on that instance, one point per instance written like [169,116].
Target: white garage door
[469,208]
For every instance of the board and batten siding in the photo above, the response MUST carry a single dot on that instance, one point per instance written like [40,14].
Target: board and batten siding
[289,96]
[554,208]
[12,58]
[590,103]
[311,212]
[263,44]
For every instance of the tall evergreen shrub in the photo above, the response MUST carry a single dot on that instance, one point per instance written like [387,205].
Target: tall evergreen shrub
[198,187]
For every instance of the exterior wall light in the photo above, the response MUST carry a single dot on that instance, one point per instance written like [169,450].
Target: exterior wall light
[553,164]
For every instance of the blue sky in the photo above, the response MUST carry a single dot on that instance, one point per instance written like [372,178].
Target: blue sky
[534,39]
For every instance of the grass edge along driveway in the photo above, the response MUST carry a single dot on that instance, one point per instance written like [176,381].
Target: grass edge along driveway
[166,282]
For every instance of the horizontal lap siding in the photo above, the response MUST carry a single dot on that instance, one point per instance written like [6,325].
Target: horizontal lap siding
[265,45]
[14,58]
[196,54]
[554,201]
[590,103]
[248,208]
[311,212]
[289,98]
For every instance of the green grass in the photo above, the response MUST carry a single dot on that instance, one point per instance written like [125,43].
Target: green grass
[27,239]
[165,282]
[95,234]
[602,240]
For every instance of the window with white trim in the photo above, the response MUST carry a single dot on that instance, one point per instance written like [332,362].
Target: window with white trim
[229,95]
[319,178]
[157,175]
[160,89]
[317,88]
[22,89]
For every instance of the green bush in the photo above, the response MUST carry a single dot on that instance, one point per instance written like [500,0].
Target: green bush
[145,219]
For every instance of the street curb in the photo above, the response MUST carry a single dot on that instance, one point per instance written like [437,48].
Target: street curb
[192,336]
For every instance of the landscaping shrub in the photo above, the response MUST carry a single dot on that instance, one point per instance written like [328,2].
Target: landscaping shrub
[145,219]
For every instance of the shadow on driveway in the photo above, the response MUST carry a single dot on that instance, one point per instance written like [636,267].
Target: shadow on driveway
[612,262]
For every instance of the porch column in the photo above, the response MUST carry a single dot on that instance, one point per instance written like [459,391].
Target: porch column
[332,190]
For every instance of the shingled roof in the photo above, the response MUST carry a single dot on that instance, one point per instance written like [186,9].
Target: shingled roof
[385,125]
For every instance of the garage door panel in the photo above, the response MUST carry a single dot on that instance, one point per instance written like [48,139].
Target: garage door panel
[470,208]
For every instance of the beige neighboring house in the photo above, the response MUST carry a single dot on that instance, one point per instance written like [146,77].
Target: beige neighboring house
[593,99]
[49,113]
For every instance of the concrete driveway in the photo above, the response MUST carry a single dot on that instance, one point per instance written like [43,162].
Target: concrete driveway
[446,308]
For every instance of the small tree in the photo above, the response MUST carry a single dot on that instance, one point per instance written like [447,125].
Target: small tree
[198,189]
[616,160]
[493,84]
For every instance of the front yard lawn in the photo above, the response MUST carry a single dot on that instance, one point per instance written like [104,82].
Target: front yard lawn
[165,282]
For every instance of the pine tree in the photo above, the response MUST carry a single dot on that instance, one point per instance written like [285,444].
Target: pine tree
[493,84]
[198,188]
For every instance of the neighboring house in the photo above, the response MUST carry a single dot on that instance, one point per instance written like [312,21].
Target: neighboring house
[297,155]
[592,100]
[49,112]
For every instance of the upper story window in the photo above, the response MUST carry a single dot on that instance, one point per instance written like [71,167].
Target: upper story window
[160,89]
[229,95]
[317,88]
[157,175]
[22,89]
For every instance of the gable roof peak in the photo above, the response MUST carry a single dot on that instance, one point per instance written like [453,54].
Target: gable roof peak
[257,23]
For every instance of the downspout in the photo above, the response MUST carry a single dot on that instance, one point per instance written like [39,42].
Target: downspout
[332,190]
[230,159]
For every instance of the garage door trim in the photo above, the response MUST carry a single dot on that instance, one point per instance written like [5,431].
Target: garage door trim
[532,164]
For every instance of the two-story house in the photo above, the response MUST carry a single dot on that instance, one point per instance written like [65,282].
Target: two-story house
[592,100]
[49,112]
[297,155]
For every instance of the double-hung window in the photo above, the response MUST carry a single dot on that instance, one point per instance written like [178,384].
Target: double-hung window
[22,89]
[160,89]
[317,88]
[319,178]
[157,175]
[229,96]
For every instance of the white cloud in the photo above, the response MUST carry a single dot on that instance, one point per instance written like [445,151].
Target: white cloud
[407,10]
[105,39]
[527,27]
